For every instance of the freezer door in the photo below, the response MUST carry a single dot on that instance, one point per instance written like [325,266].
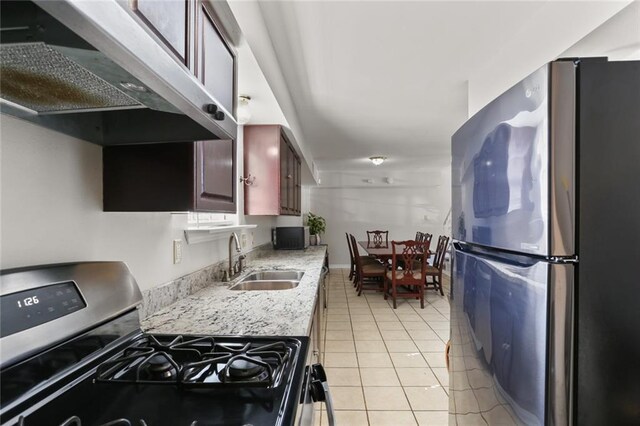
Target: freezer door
[513,167]
[499,340]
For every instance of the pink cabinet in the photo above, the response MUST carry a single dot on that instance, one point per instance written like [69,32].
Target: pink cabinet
[270,158]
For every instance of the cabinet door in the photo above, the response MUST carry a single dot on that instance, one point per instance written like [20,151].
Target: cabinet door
[169,20]
[291,180]
[298,186]
[284,180]
[262,160]
[215,176]
[217,62]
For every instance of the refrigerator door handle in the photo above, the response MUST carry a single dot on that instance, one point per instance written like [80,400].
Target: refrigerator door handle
[447,351]
[518,260]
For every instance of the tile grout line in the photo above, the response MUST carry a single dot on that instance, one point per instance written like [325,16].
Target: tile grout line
[341,289]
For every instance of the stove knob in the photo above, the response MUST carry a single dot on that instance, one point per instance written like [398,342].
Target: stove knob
[317,391]
[318,373]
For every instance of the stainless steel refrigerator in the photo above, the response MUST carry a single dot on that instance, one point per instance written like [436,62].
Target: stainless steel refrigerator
[545,293]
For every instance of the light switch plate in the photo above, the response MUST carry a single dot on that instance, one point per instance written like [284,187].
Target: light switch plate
[177,251]
[243,241]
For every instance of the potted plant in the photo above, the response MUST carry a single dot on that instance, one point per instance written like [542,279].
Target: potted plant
[317,225]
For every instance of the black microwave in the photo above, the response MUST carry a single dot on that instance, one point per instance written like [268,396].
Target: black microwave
[290,237]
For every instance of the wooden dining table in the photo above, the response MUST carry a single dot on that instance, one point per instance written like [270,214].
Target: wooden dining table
[383,252]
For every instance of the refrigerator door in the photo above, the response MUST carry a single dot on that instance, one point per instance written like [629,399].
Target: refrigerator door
[500,334]
[513,168]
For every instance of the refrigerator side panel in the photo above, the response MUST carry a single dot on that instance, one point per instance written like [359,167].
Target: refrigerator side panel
[562,158]
[561,344]
[608,346]
[500,171]
[499,334]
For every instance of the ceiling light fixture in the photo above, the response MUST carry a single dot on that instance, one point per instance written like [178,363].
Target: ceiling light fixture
[377,160]
[243,111]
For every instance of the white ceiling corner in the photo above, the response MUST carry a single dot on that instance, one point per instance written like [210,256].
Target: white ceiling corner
[396,78]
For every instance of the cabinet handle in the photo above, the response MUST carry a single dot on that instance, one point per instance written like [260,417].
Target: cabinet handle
[289,177]
[213,110]
[249,180]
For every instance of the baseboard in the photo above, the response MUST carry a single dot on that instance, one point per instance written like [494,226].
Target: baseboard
[339,266]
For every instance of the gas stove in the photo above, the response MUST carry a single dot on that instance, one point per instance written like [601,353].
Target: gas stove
[83,363]
[193,361]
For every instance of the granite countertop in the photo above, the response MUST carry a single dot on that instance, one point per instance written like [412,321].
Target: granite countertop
[217,310]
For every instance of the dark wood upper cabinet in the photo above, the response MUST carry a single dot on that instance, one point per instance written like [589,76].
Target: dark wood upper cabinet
[170,21]
[192,31]
[216,176]
[182,176]
[216,60]
[271,159]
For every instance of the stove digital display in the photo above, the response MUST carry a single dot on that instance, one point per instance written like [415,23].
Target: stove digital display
[26,309]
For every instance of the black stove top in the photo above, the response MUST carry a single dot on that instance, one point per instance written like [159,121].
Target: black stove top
[199,362]
[154,380]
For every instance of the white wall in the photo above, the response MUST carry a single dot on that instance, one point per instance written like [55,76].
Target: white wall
[618,38]
[51,211]
[513,61]
[351,205]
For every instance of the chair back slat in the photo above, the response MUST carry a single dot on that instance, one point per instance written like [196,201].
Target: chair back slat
[427,237]
[410,254]
[441,250]
[350,248]
[423,237]
[378,238]
[356,254]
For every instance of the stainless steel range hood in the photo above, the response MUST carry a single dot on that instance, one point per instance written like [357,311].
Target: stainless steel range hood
[88,69]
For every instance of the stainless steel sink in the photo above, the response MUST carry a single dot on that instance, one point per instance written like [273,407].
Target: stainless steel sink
[269,280]
[265,285]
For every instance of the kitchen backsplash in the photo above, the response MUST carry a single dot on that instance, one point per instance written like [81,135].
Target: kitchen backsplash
[166,294]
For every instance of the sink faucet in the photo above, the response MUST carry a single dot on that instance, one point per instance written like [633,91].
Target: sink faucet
[234,269]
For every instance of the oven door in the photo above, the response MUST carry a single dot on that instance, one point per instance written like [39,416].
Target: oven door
[316,389]
[305,414]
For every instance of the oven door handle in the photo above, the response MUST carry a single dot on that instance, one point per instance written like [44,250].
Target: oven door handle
[320,390]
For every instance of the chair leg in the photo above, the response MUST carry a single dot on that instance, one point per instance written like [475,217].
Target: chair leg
[440,284]
[394,295]
[421,289]
[386,288]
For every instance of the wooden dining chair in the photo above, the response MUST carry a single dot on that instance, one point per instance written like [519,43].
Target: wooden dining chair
[412,277]
[353,273]
[377,238]
[352,270]
[423,237]
[367,272]
[435,271]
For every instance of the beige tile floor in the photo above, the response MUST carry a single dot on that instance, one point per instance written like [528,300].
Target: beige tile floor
[385,366]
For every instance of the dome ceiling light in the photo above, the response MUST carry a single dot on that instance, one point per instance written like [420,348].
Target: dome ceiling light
[377,160]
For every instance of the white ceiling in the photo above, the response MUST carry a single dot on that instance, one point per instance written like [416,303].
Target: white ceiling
[397,78]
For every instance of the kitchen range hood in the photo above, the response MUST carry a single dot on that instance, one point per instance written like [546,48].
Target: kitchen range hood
[88,69]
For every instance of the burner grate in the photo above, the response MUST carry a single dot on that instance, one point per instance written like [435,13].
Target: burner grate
[197,362]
